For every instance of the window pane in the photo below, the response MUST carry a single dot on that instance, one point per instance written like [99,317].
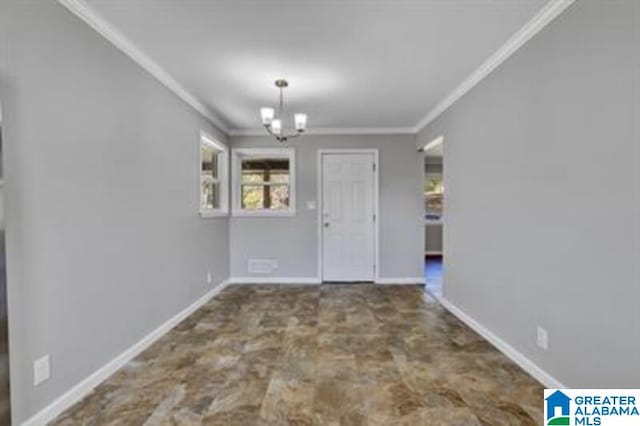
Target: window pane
[209,165]
[252,177]
[210,198]
[252,197]
[214,165]
[280,176]
[279,195]
[265,170]
[265,197]
[434,197]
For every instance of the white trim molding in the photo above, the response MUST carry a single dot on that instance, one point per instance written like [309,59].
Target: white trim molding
[400,281]
[83,388]
[237,155]
[223,177]
[84,11]
[274,280]
[509,351]
[543,18]
[333,131]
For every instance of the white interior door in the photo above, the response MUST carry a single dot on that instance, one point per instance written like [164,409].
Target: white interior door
[348,222]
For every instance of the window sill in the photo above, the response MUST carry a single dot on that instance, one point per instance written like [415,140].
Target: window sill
[209,214]
[263,213]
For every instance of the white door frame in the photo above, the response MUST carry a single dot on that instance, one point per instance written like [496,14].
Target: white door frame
[376,209]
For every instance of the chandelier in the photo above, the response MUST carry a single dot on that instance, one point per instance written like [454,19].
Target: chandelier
[273,123]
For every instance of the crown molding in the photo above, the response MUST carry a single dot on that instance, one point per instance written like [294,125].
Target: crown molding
[83,11]
[543,18]
[334,131]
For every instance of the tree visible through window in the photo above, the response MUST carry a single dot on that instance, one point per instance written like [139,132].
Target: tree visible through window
[213,177]
[433,196]
[210,177]
[265,184]
[264,181]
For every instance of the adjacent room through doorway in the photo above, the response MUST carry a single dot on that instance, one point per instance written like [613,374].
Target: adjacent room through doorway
[433,190]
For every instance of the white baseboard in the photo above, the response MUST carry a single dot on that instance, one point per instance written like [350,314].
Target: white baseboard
[83,388]
[316,280]
[525,363]
[274,280]
[400,281]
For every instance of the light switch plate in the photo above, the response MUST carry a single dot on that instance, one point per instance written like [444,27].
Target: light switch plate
[311,205]
[41,370]
[543,338]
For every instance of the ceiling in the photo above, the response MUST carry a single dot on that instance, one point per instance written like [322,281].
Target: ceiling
[435,152]
[350,64]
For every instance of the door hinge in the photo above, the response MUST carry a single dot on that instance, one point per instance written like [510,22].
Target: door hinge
[374,167]
[374,217]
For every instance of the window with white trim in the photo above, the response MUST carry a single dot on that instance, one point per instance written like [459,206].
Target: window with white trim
[213,177]
[263,181]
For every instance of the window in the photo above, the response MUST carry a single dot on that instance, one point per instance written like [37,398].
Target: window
[433,196]
[263,182]
[213,177]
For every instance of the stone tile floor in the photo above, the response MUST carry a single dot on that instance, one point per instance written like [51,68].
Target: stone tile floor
[316,355]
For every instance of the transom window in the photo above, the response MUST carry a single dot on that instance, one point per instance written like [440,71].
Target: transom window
[263,182]
[213,177]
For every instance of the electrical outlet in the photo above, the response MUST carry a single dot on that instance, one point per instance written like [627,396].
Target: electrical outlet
[543,338]
[209,277]
[41,370]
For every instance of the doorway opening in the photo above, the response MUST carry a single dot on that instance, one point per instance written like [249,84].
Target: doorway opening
[434,199]
[348,215]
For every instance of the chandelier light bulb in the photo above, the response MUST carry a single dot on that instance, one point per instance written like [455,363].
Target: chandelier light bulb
[300,122]
[276,126]
[267,115]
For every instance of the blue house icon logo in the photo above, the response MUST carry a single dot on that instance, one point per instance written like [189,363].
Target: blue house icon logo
[561,401]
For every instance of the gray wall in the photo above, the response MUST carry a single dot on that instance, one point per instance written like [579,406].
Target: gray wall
[543,182]
[293,241]
[104,239]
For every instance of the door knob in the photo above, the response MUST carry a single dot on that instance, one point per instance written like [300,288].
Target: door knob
[326,224]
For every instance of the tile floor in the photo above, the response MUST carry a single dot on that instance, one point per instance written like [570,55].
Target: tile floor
[316,355]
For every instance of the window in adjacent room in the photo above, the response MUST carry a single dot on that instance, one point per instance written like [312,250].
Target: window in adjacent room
[433,196]
[213,177]
[263,182]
